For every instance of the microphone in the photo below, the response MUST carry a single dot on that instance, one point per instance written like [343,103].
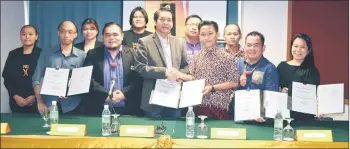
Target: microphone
[111,88]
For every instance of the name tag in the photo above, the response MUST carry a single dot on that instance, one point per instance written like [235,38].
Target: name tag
[315,135]
[228,133]
[5,128]
[137,131]
[68,130]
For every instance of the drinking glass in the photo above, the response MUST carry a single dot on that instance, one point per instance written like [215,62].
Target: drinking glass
[288,131]
[45,115]
[202,129]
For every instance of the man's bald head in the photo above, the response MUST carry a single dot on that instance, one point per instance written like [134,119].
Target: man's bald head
[67,23]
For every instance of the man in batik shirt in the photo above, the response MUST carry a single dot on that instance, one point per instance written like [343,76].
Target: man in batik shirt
[232,36]
[215,66]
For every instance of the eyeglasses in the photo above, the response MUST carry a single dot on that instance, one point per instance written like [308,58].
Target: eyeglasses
[70,32]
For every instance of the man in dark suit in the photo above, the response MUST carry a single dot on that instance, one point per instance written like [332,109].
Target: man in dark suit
[112,63]
[160,56]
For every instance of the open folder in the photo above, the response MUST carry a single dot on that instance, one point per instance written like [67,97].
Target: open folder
[324,99]
[176,95]
[66,82]
[252,104]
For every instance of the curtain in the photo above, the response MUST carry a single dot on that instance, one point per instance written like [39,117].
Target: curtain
[46,16]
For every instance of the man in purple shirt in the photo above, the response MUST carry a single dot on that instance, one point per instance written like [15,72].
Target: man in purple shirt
[192,36]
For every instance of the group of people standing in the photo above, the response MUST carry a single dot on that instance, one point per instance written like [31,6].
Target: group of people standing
[136,58]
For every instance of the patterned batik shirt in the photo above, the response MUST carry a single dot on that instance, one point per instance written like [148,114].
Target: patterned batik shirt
[240,54]
[215,66]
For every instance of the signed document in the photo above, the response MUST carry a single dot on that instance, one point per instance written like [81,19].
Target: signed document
[304,98]
[191,93]
[66,82]
[169,93]
[80,80]
[274,101]
[247,105]
[328,99]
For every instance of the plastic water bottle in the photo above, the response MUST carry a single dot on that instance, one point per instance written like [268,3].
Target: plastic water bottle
[106,121]
[190,123]
[54,113]
[278,126]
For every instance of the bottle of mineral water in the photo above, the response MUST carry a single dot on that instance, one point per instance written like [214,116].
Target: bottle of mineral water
[278,126]
[106,121]
[190,123]
[54,117]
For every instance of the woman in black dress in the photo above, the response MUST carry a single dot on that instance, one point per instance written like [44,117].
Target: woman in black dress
[18,71]
[300,69]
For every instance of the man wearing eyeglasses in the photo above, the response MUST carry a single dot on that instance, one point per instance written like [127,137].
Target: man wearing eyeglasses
[65,55]
[193,45]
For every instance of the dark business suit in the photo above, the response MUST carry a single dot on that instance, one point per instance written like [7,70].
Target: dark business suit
[81,45]
[93,105]
[151,65]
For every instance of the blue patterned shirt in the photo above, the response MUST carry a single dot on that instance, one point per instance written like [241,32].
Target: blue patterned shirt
[264,77]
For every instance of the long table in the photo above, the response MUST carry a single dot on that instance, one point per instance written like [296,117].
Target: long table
[27,132]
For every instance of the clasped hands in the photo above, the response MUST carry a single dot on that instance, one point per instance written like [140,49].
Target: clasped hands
[117,96]
[24,101]
[173,74]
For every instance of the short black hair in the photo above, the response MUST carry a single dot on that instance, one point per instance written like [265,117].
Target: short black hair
[256,33]
[156,14]
[36,31]
[193,16]
[239,29]
[206,22]
[59,25]
[110,24]
[90,21]
[143,11]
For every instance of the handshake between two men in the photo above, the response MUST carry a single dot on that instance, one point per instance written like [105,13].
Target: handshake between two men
[173,74]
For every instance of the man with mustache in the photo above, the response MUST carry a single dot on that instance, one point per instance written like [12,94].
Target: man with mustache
[161,56]
[256,72]
[232,36]
[63,56]
[111,62]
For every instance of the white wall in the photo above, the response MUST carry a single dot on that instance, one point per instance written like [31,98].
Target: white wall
[271,19]
[12,19]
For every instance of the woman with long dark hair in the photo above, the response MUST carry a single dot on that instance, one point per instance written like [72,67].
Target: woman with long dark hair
[89,29]
[18,71]
[300,69]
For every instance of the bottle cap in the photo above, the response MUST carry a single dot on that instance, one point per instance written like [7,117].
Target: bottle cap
[54,102]
[106,106]
[190,108]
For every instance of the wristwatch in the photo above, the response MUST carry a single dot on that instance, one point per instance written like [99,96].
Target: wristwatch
[213,89]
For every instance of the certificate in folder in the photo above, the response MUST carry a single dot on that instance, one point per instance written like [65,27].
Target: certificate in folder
[175,95]
[252,104]
[66,82]
[324,99]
